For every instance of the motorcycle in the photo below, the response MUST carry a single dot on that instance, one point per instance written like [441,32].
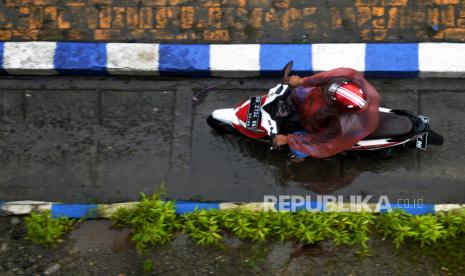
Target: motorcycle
[260,117]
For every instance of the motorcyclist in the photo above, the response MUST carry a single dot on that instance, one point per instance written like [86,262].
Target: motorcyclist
[337,108]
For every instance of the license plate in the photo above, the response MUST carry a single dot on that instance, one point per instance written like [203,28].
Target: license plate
[254,113]
[422,141]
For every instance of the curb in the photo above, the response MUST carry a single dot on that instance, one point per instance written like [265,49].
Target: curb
[89,211]
[404,60]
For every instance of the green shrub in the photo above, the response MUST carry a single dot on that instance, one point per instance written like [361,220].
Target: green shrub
[248,225]
[44,230]
[423,229]
[283,225]
[152,220]
[454,223]
[203,226]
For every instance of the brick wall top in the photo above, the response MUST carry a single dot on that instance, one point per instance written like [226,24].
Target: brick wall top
[233,21]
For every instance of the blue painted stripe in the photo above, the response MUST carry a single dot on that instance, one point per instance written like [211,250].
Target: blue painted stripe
[413,209]
[80,58]
[184,60]
[273,57]
[397,60]
[1,57]
[183,207]
[74,210]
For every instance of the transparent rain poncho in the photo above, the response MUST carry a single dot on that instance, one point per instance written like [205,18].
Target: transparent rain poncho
[328,131]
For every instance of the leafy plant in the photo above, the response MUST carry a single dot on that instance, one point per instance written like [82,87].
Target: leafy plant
[283,225]
[148,265]
[351,229]
[396,224]
[247,225]
[152,220]
[44,230]
[203,226]
[428,229]
[454,223]
[425,229]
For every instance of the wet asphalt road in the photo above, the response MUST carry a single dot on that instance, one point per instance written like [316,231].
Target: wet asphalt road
[106,139]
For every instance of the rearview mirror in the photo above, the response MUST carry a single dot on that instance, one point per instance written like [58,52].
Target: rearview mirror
[287,69]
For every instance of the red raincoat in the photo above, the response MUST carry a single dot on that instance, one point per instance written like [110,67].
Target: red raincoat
[327,131]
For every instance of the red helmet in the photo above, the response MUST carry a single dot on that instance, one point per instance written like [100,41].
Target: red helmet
[347,96]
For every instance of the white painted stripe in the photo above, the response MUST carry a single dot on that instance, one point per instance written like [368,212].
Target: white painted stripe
[251,206]
[107,210]
[132,59]
[27,202]
[29,57]
[352,207]
[441,60]
[447,207]
[25,207]
[329,56]
[235,60]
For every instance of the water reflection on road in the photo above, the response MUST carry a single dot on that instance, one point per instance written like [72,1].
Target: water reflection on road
[317,176]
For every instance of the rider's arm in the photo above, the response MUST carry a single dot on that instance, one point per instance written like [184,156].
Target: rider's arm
[317,145]
[325,77]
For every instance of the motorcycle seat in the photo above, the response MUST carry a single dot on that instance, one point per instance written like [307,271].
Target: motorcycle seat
[391,125]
